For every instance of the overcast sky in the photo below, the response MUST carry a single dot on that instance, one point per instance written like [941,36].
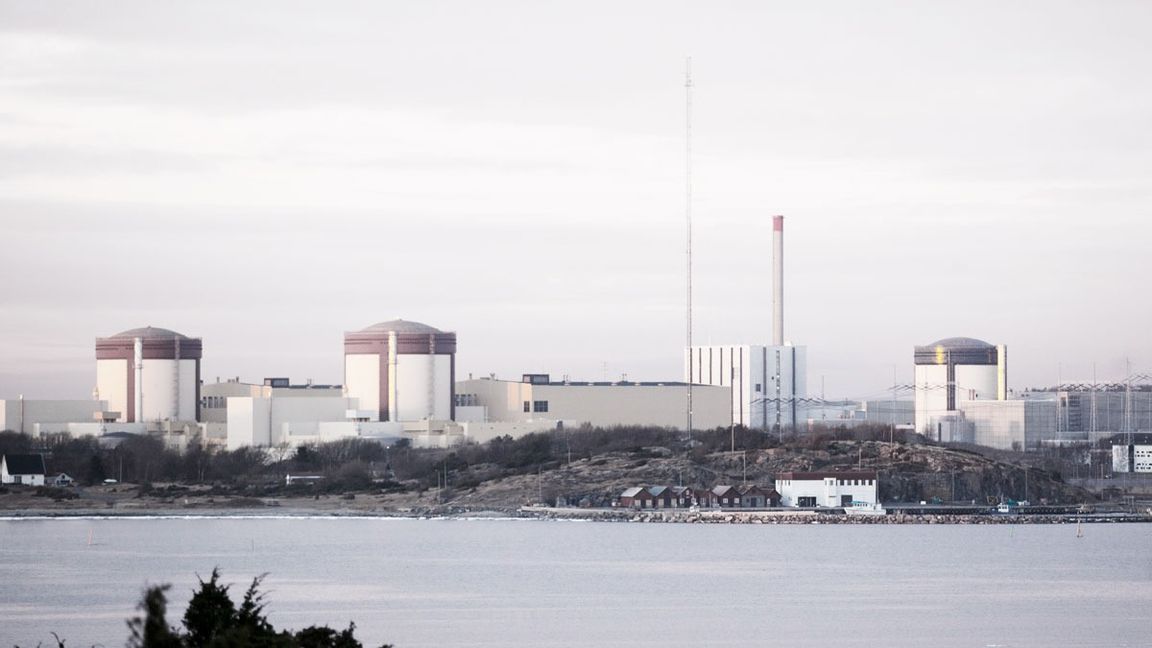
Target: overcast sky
[268,175]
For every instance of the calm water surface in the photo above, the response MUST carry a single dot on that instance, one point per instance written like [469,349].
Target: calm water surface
[531,583]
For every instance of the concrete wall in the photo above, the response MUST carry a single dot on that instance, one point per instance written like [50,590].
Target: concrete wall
[46,412]
[215,396]
[90,429]
[159,381]
[1011,424]
[482,432]
[362,380]
[931,399]
[421,383]
[976,382]
[112,384]
[249,423]
[602,405]
[424,387]
[260,421]
[159,385]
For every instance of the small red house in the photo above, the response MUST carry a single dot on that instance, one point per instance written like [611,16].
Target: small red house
[726,496]
[637,497]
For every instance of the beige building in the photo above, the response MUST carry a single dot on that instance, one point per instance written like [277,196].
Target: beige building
[536,399]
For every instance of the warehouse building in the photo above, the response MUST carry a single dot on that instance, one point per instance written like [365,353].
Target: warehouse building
[536,401]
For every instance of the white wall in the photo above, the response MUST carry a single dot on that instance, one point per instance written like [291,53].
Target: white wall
[931,383]
[1011,424]
[112,383]
[424,387]
[1143,458]
[248,422]
[336,430]
[46,413]
[362,380]
[258,421]
[26,480]
[976,382]
[827,491]
[160,401]
[768,383]
[482,432]
[601,405]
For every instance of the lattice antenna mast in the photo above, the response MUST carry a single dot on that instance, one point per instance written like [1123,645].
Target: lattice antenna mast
[688,218]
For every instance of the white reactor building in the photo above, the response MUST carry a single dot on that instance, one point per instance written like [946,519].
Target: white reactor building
[149,374]
[401,371]
[952,371]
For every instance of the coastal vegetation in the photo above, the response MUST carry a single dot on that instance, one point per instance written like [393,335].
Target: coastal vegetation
[581,467]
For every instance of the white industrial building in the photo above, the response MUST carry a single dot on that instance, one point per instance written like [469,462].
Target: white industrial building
[1132,458]
[1088,411]
[147,381]
[36,417]
[489,407]
[952,371]
[1008,424]
[149,374]
[899,414]
[402,371]
[398,384]
[962,397]
[768,383]
[832,489]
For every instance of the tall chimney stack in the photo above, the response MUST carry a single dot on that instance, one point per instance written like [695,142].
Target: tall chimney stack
[778,280]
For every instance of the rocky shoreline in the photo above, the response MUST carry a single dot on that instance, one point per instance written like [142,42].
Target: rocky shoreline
[814,517]
[573,514]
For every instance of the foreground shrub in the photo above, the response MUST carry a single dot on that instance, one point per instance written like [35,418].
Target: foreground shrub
[214,621]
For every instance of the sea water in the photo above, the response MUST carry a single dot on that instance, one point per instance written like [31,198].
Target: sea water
[419,583]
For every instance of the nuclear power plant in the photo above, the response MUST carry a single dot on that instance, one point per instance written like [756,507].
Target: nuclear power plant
[400,383]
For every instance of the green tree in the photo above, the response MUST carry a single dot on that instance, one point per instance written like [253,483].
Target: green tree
[213,621]
[151,630]
[210,612]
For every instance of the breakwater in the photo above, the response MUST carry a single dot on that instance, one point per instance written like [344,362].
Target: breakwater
[814,517]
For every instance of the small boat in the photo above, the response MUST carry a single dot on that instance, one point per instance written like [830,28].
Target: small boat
[865,508]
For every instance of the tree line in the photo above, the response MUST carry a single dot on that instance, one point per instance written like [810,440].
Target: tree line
[355,464]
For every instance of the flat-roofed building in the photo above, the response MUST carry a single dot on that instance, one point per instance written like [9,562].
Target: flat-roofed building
[828,489]
[536,398]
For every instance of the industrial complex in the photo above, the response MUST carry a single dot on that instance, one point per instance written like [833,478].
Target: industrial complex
[400,383]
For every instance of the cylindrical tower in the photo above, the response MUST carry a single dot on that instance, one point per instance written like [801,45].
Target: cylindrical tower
[954,370]
[150,374]
[778,281]
[404,371]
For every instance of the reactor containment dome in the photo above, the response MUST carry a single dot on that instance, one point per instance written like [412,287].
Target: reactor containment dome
[957,369]
[402,370]
[150,374]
